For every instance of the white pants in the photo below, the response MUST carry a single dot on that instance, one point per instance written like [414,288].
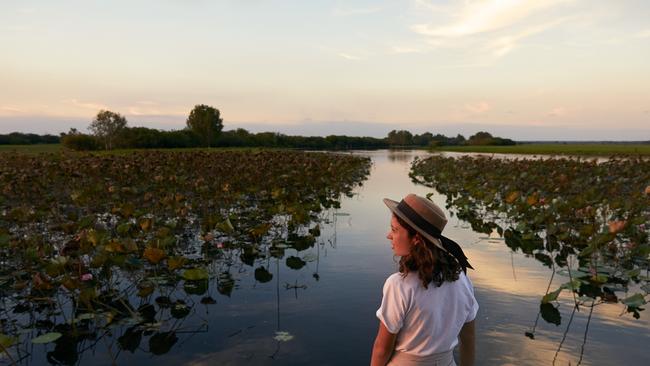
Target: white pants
[436,359]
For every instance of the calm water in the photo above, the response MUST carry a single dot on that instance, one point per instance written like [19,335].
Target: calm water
[328,306]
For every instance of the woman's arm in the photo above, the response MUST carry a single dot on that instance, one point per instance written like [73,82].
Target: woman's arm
[467,344]
[383,347]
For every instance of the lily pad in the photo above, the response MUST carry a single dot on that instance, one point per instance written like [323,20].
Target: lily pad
[47,338]
[196,274]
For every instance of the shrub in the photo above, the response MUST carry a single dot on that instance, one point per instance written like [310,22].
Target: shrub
[80,142]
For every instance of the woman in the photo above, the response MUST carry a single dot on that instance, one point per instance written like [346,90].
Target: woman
[429,305]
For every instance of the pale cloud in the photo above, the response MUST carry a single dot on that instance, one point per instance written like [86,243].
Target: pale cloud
[474,17]
[7,109]
[86,105]
[478,108]
[430,6]
[349,57]
[26,11]
[356,11]
[18,28]
[135,111]
[643,34]
[558,112]
[146,102]
[503,45]
[400,49]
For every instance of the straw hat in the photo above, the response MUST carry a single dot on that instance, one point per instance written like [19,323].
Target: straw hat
[429,220]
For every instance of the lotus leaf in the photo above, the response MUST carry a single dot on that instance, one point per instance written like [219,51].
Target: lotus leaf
[295,262]
[153,255]
[196,274]
[114,218]
[176,262]
[7,341]
[130,340]
[47,338]
[161,343]
[634,301]
[263,275]
[550,313]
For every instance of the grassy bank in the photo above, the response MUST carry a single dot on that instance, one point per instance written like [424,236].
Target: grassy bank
[55,148]
[35,149]
[557,149]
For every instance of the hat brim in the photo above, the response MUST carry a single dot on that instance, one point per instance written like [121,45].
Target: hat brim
[392,206]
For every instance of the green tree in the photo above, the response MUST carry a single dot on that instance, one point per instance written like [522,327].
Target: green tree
[106,127]
[400,138]
[205,122]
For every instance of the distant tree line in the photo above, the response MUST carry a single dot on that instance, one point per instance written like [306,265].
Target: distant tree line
[18,138]
[405,138]
[204,125]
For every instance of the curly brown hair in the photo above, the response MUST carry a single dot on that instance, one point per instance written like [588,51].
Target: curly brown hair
[432,264]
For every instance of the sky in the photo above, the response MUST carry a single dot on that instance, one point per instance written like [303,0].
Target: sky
[522,69]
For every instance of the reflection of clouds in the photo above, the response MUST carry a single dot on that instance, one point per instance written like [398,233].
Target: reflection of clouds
[509,303]
[504,317]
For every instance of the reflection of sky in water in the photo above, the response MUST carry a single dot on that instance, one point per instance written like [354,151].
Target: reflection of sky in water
[509,285]
[333,319]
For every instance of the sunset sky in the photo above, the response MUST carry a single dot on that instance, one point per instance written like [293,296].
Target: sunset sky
[537,69]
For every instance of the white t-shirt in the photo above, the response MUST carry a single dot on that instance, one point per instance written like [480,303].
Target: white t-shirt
[426,321]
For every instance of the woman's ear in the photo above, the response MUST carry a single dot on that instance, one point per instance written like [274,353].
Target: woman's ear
[417,239]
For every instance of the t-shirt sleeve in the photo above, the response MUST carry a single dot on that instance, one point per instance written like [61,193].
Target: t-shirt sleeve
[393,305]
[473,304]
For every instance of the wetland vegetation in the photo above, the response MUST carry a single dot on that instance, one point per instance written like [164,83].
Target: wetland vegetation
[585,219]
[121,249]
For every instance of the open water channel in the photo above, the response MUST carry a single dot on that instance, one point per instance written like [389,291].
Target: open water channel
[324,312]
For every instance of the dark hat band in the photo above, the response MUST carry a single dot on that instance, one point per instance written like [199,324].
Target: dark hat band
[449,245]
[418,220]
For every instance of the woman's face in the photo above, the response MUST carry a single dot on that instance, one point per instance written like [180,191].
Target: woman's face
[399,238]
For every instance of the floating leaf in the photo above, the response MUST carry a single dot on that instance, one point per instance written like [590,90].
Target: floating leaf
[616,226]
[146,224]
[295,262]
[550,313]
[176,262]
[208,300]
[180,310]
[130,340]
[161,343]
[153,255]
[84,316]
[263,275]
[310,257]
[196,274]
[199,287]
[551,296]
[47,338]
[512,196]
[634,301]
[226,226]
[7,341]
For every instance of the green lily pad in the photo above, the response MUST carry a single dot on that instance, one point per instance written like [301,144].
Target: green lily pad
[7,341]
[634,301]
[295,263]
[196,274]
[47,338]
[263,275]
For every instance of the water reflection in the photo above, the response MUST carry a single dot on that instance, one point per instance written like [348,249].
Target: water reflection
[509,286]
[327,302]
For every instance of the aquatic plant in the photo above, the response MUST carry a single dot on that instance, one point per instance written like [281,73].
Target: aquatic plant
[130,244]
[559,211]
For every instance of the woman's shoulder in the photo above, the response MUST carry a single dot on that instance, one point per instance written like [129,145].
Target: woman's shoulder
[394,278]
